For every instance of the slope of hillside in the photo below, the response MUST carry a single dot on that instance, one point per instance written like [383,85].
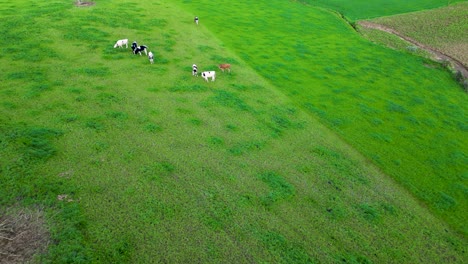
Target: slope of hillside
[444,29]
[405,113]
[138,163]
[365,9]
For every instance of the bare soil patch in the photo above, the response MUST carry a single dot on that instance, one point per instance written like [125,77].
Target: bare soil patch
[438,55]
[84,4]
[22,235]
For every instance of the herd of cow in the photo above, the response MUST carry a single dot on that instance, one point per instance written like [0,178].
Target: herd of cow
[143,48]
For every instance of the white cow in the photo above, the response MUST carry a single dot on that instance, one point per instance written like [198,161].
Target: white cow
[120,43]
[208,74]
[151,57]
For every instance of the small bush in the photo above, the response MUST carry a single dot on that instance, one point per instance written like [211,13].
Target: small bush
[153,127]
[412,48]
[34,143]
[369,212]
[445,202]
[462,80]
[280,188]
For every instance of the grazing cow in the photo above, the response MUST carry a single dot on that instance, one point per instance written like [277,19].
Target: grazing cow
[134,45]
[225,66]
[195,20]
[208,74]
[151,57]
[120,43]
[139,49]
[194,70]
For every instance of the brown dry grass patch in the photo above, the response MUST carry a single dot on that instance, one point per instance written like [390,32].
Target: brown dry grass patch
[84,4]
[22,235]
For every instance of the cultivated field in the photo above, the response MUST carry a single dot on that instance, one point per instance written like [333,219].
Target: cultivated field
[444,29]
[364,9]
[318,147]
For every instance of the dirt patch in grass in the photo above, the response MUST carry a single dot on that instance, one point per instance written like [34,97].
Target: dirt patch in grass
[22,235]
[84,4]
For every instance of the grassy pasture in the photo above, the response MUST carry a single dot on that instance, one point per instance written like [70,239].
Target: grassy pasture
[364,9]
[444,28]
[407,114]
[161,166]
[392,41]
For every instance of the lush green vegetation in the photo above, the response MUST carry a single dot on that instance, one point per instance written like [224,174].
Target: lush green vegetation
[160,166]
[364,9]
[392,41]
[444,28]
[409,120]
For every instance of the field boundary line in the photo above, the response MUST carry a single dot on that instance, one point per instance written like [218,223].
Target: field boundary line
[440,56]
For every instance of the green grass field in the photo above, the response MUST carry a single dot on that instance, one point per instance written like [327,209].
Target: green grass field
[397,116]
[364,9]
[345,157]
[392,41]
[443,29]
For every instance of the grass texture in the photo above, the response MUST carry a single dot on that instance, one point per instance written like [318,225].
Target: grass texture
[444,29]
[392,41]
[364,9]
[161,166]
[405,113]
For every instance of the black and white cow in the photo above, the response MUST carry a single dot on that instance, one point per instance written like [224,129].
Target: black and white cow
[120,43]
[151,57]
[139,49]
[195,20]
[134,45]
[194,70]
[209,74]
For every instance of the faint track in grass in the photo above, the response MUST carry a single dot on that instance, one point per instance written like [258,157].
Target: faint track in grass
[439,56]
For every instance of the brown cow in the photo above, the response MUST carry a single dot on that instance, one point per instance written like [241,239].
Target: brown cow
[225,66]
